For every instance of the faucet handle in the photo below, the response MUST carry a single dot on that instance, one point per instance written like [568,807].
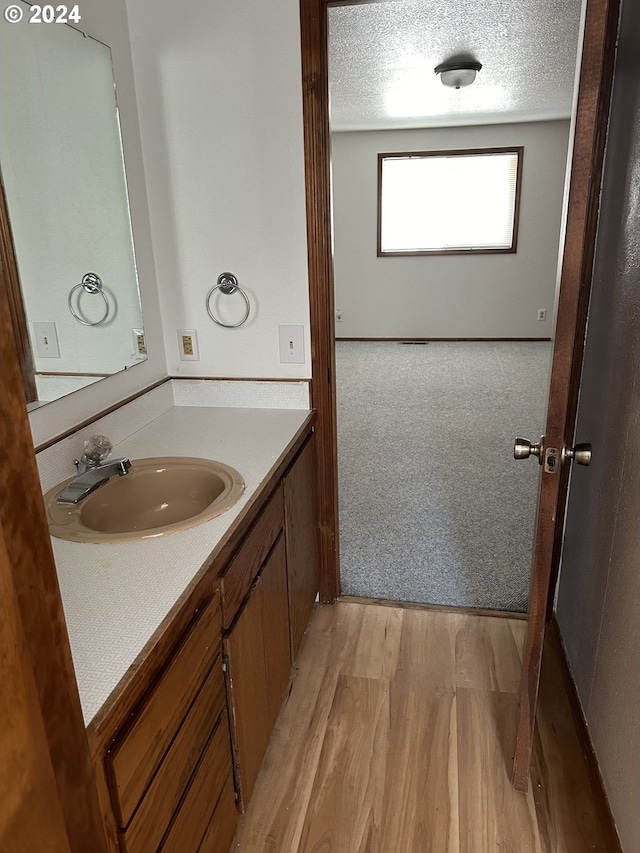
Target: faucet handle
[97,448]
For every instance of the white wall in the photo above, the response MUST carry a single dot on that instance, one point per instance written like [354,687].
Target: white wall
[108,23]
[220,99]
[447,296]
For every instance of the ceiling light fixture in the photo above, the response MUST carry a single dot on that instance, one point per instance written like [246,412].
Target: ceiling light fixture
[458,73]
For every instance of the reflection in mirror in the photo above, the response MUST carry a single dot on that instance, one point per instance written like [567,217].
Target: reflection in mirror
[74,293]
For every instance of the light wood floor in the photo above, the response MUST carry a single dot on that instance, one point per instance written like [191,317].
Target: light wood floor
[397,737]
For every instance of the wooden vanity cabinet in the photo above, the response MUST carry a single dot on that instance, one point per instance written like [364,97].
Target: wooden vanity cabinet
[265,635]
[301,532]
[182,742]
[168,767]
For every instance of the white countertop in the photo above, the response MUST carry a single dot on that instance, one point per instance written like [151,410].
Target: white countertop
[115,595]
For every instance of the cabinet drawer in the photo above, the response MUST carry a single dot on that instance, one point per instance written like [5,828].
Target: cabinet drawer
[237,578]
[187,831]
[223,823]
[137,752]
[158,804]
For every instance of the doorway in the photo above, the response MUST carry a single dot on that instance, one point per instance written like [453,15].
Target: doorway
[432,351]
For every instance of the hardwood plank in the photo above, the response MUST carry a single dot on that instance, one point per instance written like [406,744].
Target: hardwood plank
[421,786]
[492,815]
[428,648]
[275,818]
[434,765]
[346,809]
[487,654]
[377,647]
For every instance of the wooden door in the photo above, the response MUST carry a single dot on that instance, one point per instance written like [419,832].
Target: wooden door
[48,791]
[596,76]
[27,782]
[258,662]
[580,227]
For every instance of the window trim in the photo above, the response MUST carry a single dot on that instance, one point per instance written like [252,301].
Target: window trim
[510,149]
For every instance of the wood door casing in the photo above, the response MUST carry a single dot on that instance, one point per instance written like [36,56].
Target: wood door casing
[581,220]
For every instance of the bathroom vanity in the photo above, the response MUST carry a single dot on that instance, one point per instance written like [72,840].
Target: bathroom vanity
[178,743]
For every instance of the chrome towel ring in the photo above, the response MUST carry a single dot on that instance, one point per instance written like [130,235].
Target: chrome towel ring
[227,284]
[91,283]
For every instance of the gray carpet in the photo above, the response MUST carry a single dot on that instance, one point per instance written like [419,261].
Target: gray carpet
[433,507]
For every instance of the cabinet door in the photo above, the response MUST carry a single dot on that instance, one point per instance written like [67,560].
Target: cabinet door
[258,666]
[275,625]
[301,526]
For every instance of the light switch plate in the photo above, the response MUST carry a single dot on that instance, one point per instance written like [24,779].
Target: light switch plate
[46,338]
[291,342]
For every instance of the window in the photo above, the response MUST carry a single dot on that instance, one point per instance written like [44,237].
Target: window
[449,202]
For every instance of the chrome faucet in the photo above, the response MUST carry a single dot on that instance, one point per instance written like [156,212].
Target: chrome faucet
[92,479]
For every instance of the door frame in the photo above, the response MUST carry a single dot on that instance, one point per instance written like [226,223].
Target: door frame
[594,92]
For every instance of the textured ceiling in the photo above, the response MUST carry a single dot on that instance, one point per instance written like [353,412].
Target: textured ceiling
[382,56]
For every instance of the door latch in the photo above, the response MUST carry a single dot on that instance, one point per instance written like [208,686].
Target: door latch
[551,459]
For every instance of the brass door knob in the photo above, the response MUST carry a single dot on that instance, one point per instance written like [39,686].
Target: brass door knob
[523,449]
[580,453]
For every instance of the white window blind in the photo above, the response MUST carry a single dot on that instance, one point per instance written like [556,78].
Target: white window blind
[456,201]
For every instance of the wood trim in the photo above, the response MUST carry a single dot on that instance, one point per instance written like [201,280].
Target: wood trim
[438,608]
[101,414]
[454,152]
[46,649]
[11,282]
[291,379]
[445,340]
[596,78]
[65,373]
[555,644]
[315,108]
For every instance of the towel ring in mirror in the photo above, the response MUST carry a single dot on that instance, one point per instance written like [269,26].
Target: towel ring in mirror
[91,283]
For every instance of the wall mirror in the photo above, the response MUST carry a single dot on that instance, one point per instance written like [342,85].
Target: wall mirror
[68,254]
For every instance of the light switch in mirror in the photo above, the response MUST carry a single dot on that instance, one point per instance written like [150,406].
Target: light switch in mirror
[67,207]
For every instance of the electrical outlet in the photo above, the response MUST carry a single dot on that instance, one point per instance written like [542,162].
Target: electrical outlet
[188,345]
[542,314]
[46,340]
[291,341]
[139,342]
[338,315]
